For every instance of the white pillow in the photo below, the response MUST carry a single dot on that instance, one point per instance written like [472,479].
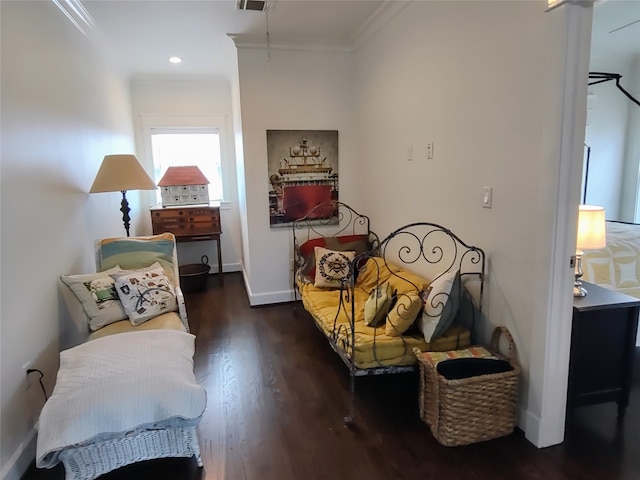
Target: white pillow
[145,293]
[332,267]
[97,294]
[440,305]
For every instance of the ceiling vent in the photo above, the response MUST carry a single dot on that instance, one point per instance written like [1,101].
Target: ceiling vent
[256,5]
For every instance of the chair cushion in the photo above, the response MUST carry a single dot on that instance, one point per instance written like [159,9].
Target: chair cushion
[166,321]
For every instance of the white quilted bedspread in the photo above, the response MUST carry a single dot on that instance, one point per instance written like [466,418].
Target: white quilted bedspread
[116,384]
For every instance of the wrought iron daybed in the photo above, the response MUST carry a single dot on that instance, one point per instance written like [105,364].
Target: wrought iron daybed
[409,263]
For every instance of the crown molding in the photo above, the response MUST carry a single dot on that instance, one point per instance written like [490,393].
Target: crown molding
[252,41]
[381,17]
[553,4]
[378,19]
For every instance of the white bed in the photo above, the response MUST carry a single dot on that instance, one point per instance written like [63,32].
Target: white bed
[617,266]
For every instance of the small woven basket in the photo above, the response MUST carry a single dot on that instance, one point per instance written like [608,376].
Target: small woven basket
[474,409]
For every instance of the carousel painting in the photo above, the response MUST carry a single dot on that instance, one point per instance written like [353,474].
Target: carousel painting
[303,172]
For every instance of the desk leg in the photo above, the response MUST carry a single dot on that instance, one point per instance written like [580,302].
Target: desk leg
[622,409]
[219,256]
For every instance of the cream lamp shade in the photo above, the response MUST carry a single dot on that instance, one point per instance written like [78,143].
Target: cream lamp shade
[592,234]
[591,228]
[119,173]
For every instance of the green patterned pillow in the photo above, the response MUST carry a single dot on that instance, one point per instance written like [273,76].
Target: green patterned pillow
[96,292]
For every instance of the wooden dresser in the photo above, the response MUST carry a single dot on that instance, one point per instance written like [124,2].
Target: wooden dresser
[189,223]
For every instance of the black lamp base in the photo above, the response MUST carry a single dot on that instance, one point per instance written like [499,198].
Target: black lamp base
[124,208]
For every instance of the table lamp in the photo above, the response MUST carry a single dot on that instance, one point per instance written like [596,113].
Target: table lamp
[119,173]
[591,235]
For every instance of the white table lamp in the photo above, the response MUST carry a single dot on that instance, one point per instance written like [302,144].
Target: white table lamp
[591,235]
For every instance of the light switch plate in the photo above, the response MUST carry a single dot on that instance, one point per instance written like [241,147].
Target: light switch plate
[487,197]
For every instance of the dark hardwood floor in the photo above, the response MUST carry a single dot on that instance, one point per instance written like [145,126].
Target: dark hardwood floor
[277,394]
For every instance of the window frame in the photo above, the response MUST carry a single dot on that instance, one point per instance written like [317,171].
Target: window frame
[183,124]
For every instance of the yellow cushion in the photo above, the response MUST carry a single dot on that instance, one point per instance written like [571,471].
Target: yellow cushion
[166,321]
[376,272]
[403,313]
[373,347]
[377,305]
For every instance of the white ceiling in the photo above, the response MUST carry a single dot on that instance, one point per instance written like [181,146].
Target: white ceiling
[139,36]
[615,33]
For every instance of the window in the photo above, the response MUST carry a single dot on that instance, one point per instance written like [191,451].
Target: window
[178,147]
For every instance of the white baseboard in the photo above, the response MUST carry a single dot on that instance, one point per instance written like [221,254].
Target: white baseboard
[267,298]
[227,268]
[21,460]
[271,297]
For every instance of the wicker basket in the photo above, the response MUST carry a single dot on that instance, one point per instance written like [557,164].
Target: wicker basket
[470,410]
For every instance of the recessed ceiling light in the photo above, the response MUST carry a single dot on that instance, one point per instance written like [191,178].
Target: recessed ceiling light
[175,59]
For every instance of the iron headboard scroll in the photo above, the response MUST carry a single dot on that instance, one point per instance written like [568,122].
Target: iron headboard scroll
[344,220]
[431,250]
[435,245]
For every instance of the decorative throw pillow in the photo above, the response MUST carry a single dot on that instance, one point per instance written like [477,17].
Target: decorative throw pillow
[357,243]
[97,294]
[145,293]
[332,267]
[307,250]
[441,303]
[403,313]
[136,253]
[377,305]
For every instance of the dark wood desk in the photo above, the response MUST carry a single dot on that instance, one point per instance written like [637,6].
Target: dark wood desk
[603,338]
[189,223]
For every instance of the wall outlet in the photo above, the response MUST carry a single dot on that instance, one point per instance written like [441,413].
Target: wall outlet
[26,380]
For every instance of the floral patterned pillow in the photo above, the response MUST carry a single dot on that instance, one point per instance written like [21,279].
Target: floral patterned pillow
[96,292]
[145,293]
[332,267]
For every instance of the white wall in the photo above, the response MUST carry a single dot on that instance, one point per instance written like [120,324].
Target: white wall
[630,201]
[444,72]
[606,134]
[62,110]
[483,81]
[192,102]
[613,123]
[291,90]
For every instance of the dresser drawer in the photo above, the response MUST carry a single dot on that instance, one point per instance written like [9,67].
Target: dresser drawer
[186,221]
